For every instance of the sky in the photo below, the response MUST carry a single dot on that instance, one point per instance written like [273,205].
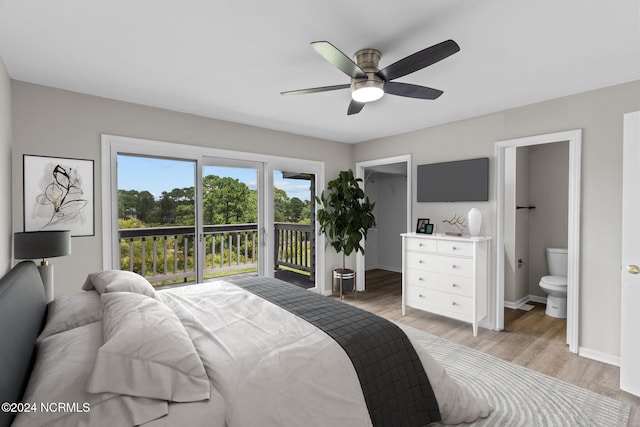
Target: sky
[157,175]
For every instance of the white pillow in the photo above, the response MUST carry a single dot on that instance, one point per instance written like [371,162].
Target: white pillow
[147,352]
[70,311]
[135,286]
[63,365]
[123,281]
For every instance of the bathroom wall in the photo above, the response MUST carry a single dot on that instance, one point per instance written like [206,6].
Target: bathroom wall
[549,193]
[523,182]
[517,177]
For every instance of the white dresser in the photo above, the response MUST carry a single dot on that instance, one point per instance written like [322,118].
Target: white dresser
[446,275]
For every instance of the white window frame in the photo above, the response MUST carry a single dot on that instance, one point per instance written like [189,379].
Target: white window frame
[112,145]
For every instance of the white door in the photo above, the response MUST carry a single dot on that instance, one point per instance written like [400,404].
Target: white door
[630,289]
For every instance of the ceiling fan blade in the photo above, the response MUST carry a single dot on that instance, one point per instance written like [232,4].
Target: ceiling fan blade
[419,60]
[338,59]
[411,91]
[355,107]
[315,89]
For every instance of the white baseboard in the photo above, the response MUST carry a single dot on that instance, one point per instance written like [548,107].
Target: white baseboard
[536,298]
[515,305]
[599,356]
[522,301]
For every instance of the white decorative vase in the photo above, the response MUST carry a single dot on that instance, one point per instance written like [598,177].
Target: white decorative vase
[474,218]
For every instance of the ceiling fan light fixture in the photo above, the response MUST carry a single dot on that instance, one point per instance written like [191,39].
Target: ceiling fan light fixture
[367,91]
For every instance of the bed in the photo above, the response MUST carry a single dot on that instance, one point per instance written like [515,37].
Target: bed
[248,352]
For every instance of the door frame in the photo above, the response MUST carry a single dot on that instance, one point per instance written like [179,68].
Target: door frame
[111,145]
[574,137]
[303,166]
[360,167]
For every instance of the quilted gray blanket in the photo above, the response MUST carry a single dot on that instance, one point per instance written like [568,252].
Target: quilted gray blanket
[394,383]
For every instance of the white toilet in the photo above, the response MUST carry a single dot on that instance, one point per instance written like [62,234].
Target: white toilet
[555,285]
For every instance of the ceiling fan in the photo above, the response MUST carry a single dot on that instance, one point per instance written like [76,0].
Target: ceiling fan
[369,83]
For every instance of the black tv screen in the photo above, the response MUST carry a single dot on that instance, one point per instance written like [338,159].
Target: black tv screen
[459,181]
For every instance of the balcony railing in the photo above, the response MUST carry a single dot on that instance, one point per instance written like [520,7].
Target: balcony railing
[294,246]
[165,255]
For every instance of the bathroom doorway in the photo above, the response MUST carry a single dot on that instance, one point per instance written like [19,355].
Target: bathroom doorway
[535,228]
[506,214]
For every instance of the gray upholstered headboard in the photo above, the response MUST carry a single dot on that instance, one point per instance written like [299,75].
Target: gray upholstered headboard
[22,315]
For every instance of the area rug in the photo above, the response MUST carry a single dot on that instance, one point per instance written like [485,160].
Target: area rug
[520,396]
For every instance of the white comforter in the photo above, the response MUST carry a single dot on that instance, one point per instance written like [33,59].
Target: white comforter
[274,369]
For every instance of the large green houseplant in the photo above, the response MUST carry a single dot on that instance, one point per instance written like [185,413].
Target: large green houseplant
[345,217]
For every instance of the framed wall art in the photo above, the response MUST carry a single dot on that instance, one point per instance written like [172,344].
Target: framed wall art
[58,194]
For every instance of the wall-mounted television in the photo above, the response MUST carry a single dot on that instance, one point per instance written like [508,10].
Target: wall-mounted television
[458,181]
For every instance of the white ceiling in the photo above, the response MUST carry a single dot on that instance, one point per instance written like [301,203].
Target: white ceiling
[230,59]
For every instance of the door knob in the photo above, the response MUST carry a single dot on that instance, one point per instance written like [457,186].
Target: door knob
[633,269]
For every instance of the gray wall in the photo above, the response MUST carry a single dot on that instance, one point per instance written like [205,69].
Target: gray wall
[384,244]
[516,225]
[549,193]
[522,229]
[53,122]
[599,114]
[6,228]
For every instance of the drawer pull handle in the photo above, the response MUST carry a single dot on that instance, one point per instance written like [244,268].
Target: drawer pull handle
[454,266]
[454,303]
[420,262]
[421,296]
[454,285]
[454,248]
[420,245]
[421,279]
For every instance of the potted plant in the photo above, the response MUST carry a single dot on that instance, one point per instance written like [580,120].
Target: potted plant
[345,217]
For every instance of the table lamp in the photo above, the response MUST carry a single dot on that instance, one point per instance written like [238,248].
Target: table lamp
[42,244]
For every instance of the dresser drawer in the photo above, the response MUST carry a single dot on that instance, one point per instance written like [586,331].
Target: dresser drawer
[451,305]
[451,247]
[439,264]
[440,282]
[418,244]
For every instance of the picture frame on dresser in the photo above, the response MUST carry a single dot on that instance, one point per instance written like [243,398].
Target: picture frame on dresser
[422,226]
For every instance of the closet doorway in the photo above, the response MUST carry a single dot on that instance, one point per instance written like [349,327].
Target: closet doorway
[386,181]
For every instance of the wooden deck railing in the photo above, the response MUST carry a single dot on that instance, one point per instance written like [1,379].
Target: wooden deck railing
[294,246]
[166,254]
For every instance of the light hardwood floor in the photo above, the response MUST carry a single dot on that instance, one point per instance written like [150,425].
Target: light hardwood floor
[531,339]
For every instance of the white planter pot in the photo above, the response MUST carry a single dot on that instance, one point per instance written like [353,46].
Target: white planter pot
[474,220]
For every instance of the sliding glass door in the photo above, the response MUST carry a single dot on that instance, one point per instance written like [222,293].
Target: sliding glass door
[156,218]
[182,214]
[232,226]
